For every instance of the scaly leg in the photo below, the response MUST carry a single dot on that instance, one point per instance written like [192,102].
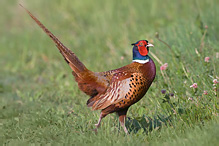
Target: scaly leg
[99,121]
[122,117]
[122,122]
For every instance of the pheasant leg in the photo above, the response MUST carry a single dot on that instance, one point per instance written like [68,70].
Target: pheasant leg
[122,117]
[99,121]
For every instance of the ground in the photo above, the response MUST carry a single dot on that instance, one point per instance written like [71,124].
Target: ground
[40,101]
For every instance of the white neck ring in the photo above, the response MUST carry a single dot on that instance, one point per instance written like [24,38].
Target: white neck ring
[141,61]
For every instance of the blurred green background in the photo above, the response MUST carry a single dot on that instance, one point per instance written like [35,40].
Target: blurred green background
[37,90]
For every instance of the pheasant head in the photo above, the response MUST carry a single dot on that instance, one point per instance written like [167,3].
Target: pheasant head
[140,51]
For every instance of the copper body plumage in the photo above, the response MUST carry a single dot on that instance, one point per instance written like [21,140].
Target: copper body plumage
[110,91]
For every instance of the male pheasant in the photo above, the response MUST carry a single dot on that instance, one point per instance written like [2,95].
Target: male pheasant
[114,90]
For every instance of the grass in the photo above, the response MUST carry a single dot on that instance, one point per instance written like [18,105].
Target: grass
[40,102]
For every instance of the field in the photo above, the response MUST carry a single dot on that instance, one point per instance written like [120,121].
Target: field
[41,103]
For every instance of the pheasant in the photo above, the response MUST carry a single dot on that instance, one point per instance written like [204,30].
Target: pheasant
[114,90]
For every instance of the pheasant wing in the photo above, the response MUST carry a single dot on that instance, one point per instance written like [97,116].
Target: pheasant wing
[124,87]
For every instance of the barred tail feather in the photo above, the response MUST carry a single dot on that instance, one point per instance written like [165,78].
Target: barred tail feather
[73,61]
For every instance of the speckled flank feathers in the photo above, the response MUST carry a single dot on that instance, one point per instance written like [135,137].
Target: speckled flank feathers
[114,90]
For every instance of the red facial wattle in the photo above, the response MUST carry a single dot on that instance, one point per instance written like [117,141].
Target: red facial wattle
[143,50]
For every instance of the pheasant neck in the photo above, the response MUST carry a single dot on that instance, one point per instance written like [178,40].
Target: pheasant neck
[142,59]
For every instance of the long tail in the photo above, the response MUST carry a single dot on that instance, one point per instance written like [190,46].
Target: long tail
[73,61]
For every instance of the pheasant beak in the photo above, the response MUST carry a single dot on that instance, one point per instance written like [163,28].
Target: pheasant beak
[150,45]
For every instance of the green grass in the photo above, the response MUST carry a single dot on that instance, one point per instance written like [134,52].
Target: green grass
[37,90]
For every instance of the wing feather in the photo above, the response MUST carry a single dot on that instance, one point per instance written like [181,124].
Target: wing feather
[124,90]
[115,93]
